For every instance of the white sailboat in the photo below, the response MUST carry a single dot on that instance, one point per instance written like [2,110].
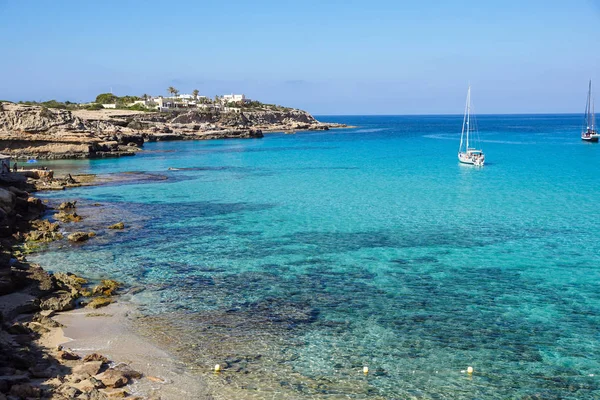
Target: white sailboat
[466,154]
[590,134]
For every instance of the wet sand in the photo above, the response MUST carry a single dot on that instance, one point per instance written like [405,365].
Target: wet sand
[108,331]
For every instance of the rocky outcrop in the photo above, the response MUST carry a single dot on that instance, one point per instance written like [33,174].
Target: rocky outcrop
[58,134]
[118,225]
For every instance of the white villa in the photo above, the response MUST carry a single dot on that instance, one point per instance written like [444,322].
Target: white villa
[162,103]
[234,98]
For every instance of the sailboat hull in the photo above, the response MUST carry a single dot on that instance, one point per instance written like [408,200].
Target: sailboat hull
[590,138]
[471,159]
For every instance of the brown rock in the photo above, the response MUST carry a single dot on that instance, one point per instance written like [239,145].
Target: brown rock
[113,378]
[87,385]
[69,280]
[99,302]
[26,390]
[90,368]
[6,381]
[116,394]
[78,236]
[45,225]
[118,225]
[67,355]
[128,371]
[68,217]
[95,394]
[67,205]
[59,301]
[107,287]
[69,392]
[41,371]
[95,357]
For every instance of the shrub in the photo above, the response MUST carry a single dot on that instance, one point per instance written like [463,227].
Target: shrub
[94,106]
[106,98]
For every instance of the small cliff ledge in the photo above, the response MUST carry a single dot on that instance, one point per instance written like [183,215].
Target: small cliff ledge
[48,133]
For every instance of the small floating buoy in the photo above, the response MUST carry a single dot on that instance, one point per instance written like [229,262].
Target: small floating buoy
[217,368]
[469,370]
[366,370]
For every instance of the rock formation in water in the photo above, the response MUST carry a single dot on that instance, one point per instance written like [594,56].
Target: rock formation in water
[47,133]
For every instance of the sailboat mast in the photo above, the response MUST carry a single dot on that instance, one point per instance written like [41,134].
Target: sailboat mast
[468,115]
[588,106]
[593,111]
[462,133]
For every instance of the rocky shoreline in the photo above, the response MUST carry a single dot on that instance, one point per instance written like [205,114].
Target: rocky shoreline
[45,133]
[31,364]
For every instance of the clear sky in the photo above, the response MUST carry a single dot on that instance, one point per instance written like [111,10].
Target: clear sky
[328,57]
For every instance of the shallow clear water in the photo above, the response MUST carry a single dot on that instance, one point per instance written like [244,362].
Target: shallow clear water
[295,260]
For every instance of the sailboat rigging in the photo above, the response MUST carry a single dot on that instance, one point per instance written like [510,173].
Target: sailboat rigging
[589,133]
[469,155]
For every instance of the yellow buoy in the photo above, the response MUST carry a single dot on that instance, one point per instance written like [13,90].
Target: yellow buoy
[469,370]
[366,370]
[217,368]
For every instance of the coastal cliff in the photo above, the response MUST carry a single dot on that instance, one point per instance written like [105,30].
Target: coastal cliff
[48,133]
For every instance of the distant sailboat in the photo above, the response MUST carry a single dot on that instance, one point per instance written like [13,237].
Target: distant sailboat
[589,133]
[469,155]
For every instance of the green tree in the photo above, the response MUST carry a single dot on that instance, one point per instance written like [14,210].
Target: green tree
[195,93]
[172,91]
[106,98]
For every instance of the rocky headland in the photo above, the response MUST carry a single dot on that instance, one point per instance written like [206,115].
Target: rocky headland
[47,133]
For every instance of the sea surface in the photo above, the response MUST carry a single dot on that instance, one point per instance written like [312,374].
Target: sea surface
[296,260]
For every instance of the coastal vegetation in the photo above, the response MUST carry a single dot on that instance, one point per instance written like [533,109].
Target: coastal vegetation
[145,103]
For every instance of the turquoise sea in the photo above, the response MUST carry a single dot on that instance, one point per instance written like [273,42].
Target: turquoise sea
[295,260]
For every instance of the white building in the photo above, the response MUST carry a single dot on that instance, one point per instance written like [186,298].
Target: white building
[234,98]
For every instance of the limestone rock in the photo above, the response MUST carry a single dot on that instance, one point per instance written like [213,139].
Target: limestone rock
[90,368]
[58,301]
[99,302]
[67,355]
[113,378]
[106,287]
[67,205]
[68,217]
[79,236]
[26,390]
[116,394]
[129,372]
[69,392]
[8,200]
[45,226]
[69,280]
[95,357]
[118,225]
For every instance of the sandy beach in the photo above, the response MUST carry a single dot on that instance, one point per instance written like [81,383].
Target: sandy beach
[107,331]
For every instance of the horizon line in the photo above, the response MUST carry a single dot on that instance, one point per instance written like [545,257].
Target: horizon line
[442,114]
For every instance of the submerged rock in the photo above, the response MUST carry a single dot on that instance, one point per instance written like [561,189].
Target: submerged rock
[99,302]
[67,205]
[68,217]
[118,225]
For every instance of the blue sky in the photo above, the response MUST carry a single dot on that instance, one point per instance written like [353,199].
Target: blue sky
[328,57]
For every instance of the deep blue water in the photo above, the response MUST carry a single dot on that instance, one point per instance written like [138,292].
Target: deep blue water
[299,259]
